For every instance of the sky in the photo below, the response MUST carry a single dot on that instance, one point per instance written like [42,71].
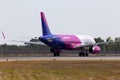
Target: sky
[20,19]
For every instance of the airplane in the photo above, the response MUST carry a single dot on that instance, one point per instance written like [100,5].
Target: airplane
[59,42]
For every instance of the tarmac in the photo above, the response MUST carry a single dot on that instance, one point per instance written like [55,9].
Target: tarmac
[56,58]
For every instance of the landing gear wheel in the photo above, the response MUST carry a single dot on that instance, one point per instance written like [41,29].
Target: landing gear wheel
[81,54]
[56,54]
[86,54]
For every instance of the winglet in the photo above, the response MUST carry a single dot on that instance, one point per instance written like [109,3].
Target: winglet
[3,35]
[45,28]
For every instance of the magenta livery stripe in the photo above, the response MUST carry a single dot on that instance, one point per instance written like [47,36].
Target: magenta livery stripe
[70,41]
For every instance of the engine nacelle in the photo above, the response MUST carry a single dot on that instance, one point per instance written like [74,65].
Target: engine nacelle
[95,49]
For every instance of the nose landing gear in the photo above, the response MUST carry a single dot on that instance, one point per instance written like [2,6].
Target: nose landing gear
[83,52]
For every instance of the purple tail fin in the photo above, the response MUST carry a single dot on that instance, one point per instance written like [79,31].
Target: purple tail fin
[45,28]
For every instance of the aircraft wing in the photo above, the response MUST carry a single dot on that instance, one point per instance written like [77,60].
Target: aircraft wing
[28,42]
[100,43]
[95,44]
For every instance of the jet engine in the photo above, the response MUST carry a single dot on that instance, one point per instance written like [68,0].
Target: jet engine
[95,49]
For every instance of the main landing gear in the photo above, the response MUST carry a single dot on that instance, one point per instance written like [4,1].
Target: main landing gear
[83,52]
[55,52]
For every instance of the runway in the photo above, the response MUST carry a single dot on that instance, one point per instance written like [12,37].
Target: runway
[57,58]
